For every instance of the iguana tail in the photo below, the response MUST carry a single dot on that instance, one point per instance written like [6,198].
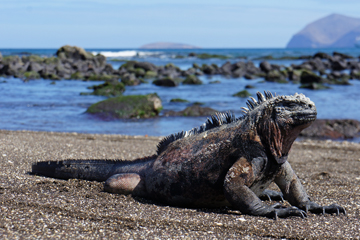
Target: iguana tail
[93,170]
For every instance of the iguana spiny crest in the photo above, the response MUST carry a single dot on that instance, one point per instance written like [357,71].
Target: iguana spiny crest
[291,110]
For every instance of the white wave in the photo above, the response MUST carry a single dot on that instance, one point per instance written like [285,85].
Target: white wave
[127,54]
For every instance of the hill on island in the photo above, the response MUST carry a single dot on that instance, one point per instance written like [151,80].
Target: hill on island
[167,45]
[334,30]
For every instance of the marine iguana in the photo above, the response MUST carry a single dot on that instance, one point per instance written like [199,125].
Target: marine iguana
[227,161]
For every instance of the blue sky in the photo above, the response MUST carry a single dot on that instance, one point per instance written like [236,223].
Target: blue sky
[130,24]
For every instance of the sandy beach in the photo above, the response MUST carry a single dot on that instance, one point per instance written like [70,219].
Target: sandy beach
[38,207]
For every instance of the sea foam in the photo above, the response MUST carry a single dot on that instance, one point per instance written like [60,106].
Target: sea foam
[127,54]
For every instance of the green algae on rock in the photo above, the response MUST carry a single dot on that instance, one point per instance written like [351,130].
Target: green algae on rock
[310,77]
[108,89]
[31,75]
[192,80]
[178,100]
[132,106]
[102,77]
[243,94]
[208,56]
[314,86]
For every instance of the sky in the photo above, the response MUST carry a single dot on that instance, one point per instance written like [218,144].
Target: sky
[131,24]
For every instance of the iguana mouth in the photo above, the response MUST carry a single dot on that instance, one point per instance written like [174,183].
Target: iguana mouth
[305,117]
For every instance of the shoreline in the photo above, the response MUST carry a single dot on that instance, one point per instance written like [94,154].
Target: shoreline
[83,134]
[39,207]
[50,104]
[304,135]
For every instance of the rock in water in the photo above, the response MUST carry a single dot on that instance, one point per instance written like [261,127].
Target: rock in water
[310,77]
[73,52]
[108,89]
[193,111]
[132,106]
[167,82]
[192,80]
[333,129]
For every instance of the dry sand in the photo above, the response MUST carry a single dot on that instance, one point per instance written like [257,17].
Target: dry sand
[37,207]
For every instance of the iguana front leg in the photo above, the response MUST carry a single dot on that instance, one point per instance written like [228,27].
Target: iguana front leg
[295,193]
[271,195]
[244,199]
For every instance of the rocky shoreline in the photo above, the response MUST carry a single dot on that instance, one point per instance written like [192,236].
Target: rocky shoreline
[70,62]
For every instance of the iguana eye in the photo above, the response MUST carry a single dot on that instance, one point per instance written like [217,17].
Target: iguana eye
[288,104]
[292,105]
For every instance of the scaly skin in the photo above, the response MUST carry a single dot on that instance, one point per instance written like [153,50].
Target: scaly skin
[227,162]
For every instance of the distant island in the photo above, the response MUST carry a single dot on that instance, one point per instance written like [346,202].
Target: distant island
[334,30]
[167,45]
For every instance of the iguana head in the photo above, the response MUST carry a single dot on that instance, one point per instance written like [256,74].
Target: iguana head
[280,119]
[296,111]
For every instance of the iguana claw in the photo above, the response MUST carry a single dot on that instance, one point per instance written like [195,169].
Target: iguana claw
[276,205]
[335,208]
[315,208]
[278,211]
[271,195]
[287,212]
[340,210]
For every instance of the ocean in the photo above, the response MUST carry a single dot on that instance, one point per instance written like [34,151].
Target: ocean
[41,105]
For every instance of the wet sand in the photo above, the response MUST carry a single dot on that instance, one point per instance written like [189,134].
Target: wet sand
[37,207]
